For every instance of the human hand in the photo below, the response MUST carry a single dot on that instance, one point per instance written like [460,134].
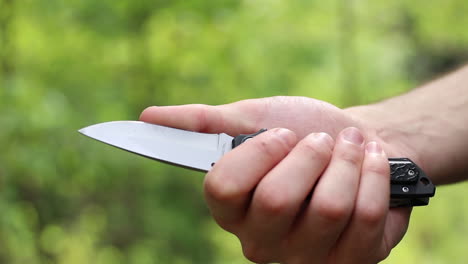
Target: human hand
[260,190]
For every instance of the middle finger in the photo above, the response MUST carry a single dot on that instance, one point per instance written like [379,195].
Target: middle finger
[281,193]
[333,198]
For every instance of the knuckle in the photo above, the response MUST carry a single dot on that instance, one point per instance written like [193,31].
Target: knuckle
[220,188]
[333,211]
[200,115]
[381,255]
[317,150]
[380,167]
[271,146]
[351,156]
[230,226]
[253,252]
[371,214]
[258,253]
[272,201]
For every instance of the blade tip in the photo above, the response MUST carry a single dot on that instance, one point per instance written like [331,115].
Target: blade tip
[82,131]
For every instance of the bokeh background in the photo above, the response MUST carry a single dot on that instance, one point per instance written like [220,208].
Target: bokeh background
[68,64]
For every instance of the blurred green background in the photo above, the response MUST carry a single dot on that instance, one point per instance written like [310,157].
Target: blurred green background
[68,64]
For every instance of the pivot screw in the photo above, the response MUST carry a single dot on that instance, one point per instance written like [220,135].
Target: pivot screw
[411,172]
[405,189]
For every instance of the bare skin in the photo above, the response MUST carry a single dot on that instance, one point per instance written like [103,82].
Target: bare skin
[314,188]
[432,121]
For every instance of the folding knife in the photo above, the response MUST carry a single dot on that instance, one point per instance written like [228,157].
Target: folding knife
[200,151]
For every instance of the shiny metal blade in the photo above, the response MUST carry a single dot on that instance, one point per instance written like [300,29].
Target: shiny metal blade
[193,150]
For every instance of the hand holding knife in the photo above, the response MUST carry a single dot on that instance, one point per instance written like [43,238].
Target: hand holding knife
[200,151]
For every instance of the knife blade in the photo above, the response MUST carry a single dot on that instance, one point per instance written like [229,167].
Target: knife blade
[183,148]
[200,151]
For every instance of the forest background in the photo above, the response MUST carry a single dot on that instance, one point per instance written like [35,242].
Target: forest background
[68,64]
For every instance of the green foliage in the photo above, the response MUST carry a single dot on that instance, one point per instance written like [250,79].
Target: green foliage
[68,64]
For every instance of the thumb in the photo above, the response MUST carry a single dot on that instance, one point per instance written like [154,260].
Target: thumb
[200,118]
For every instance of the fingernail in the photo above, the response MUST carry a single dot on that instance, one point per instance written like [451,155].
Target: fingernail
[353,135]
[287,135]
[324,137]
[374,147]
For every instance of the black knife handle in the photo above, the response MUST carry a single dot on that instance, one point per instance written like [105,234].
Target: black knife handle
[244,137]
[409,185]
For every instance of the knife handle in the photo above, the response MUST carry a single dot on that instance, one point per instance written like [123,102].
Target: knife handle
[244,137]
[409,185]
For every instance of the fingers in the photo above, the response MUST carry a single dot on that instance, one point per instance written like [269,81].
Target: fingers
[361,242]
[281,193]
[260,191]
[333,199]
[200,118]
[229,185]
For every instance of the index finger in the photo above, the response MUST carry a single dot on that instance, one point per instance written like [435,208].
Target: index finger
[229,185]
[200,118]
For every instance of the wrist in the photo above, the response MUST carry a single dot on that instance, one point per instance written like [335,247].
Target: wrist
[427,125]
[389,129]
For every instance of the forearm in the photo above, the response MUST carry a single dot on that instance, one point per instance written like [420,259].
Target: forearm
[431,122]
